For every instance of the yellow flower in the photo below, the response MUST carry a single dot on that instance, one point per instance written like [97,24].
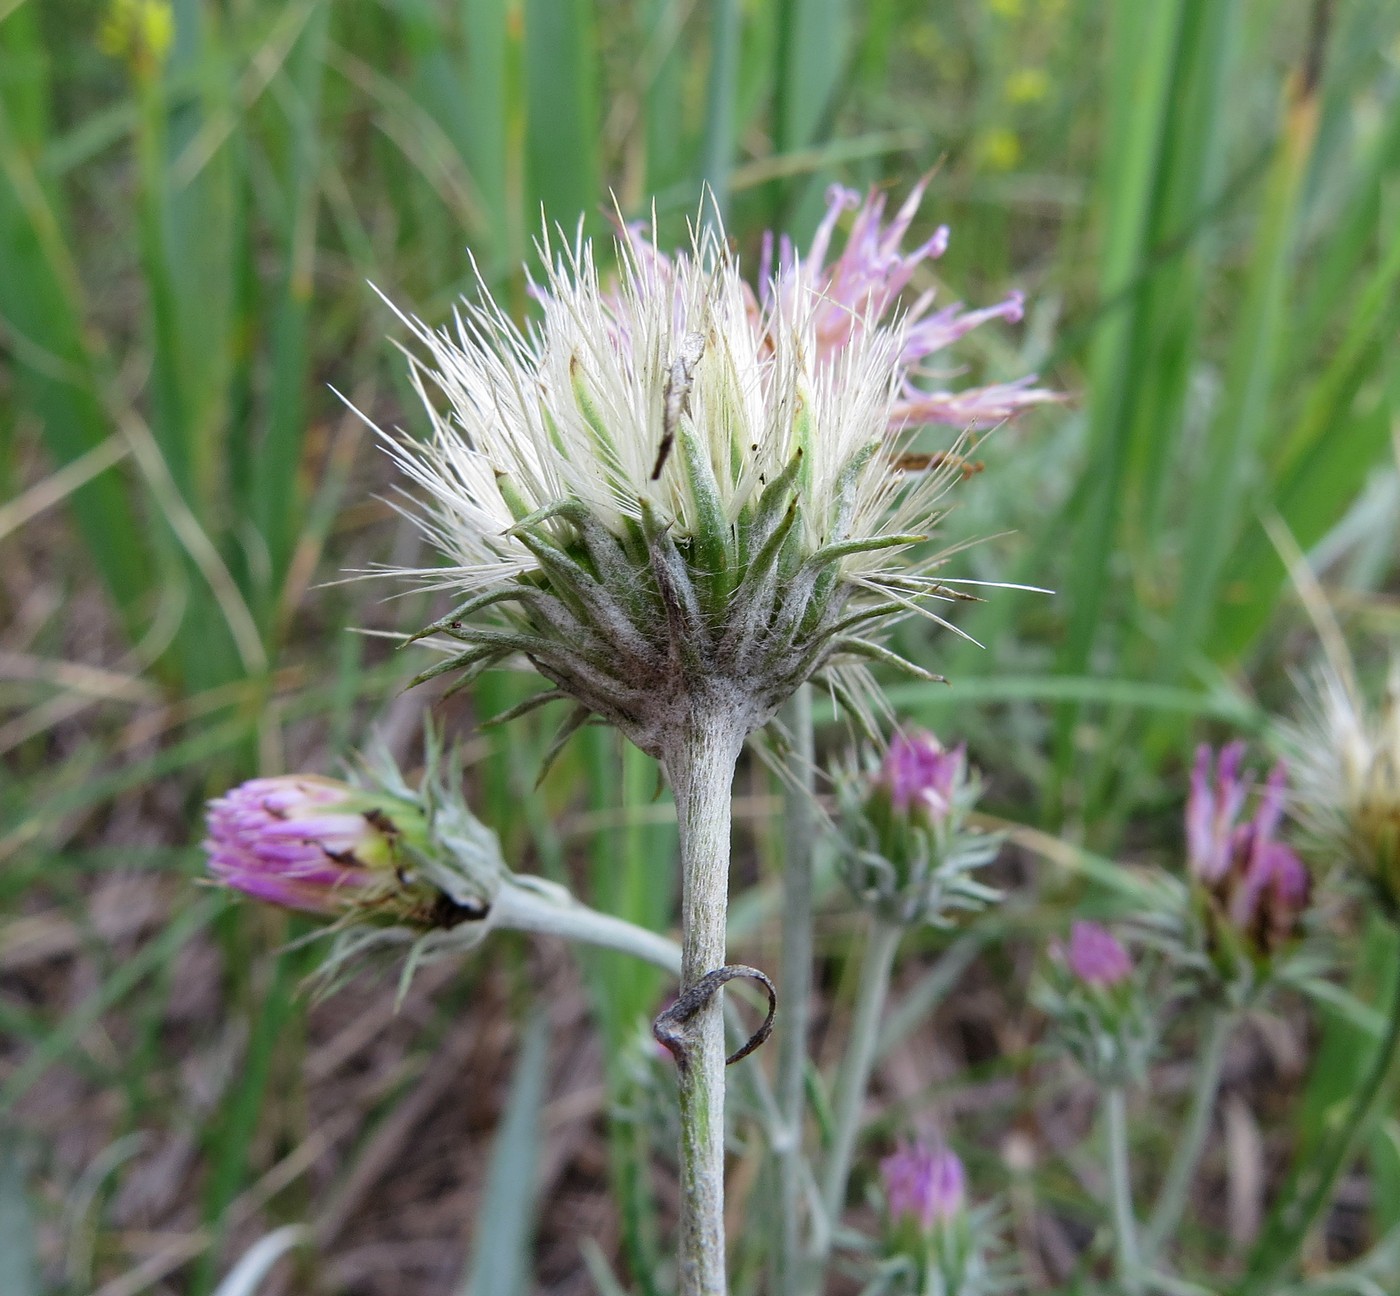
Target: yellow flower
[1027,86]
[998,149]
[139,31]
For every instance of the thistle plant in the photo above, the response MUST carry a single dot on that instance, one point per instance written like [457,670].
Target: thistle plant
[677,505]
[1347,756]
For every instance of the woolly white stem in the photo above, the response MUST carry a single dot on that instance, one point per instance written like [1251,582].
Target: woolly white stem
[700,761]
[524,908]
[856,1066]
[799,824]
[1115,1106]
[1191,1144]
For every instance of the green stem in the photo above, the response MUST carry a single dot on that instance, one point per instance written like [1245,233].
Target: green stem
[1288,1229]
[700,761]
[1129,1264]
[1187,1155]
[799,823]
[854,1077]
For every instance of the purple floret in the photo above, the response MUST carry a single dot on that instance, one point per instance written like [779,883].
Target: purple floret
[290,842]
[925,1184]
[1096,956]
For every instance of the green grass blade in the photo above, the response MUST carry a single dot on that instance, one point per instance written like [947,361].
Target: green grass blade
[1138,107]
[717,148]
[19,1261]
[1217,503]
[501,1263]
[277,479]
[561,133]
[43,330]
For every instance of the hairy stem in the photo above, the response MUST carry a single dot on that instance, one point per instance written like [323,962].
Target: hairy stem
[700,762]
[1120,1186]
[799,824]
[854,1077]
[1189,1147]
[1288,1229]
[520,907]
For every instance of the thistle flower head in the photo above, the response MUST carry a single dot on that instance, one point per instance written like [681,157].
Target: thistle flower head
[906,849]
[924,1184]
[660,496]
[1346,758]
[1096,956]
[867,282]
[1254,888]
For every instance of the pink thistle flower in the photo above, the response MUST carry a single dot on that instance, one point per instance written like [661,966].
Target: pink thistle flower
[300,841]
[1260,883]
[864,283]
[1212,810]
[918,771]
[859,288]
[1096,956]
[924,1184]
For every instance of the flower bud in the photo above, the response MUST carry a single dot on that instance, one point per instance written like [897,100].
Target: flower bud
[1096,956]
[906,849]
[924,1185]
[1096,997]
[322,846]
[1252,888]
[920,776]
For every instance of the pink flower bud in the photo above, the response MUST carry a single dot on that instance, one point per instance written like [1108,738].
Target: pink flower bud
[918,773]
[1096,957]
[1259,886]
[303,842]
[924,1184]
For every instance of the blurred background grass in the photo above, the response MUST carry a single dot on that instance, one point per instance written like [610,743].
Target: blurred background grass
[1200,198]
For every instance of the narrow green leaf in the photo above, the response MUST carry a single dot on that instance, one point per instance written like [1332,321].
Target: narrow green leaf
[19,1261]
[561,141]
[500,1263]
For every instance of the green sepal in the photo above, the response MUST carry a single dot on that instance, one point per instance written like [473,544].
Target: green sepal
[577,718]
[511,497]
[715,559]
[531,703]
[847,484]
[571,510]
[683,614]
[448,624]
[588,407]
[876,652]
[460,662]
[863,544]
[769,510]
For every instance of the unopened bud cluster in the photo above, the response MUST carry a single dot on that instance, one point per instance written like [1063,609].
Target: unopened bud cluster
[907,851]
